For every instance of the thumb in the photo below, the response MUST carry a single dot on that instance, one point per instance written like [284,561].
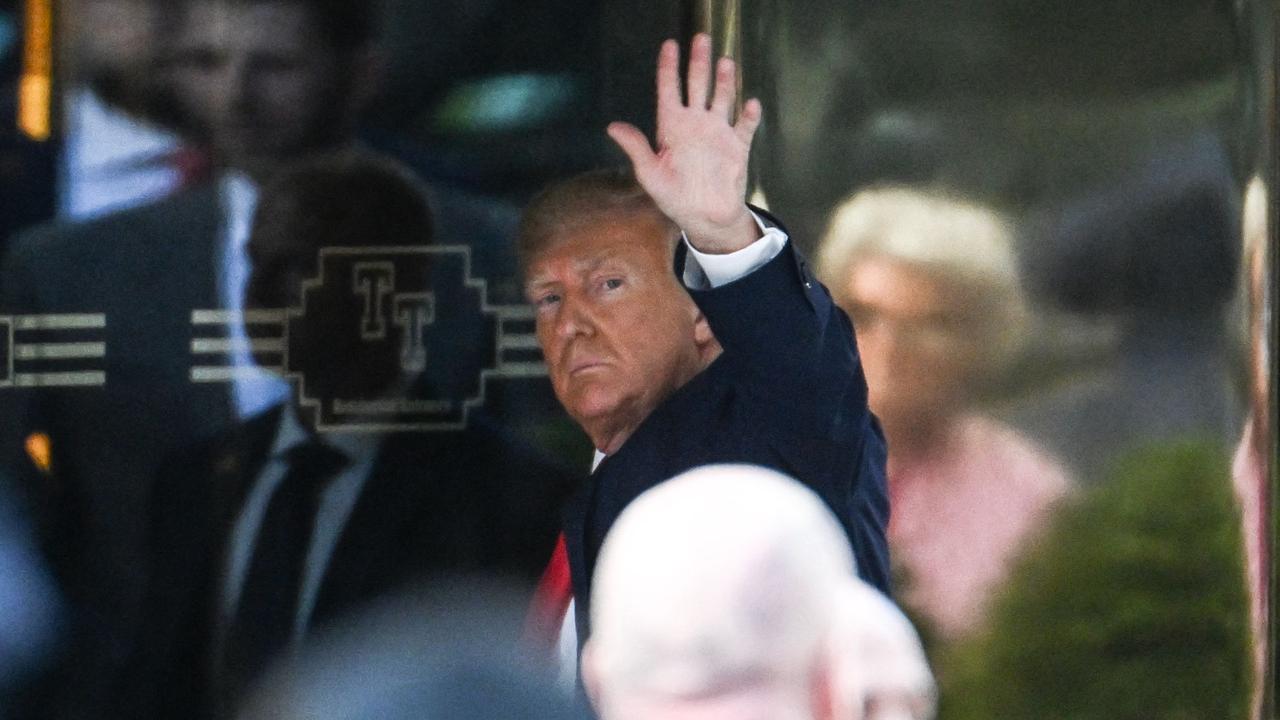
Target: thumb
[636,146]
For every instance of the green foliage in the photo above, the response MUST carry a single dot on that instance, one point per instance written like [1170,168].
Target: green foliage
[1132,607]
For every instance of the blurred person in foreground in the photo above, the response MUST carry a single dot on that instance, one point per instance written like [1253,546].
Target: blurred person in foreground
[30,609]
[715,597]
[882,672]
[280,524]
[931,285]
[734,354]
[443,651]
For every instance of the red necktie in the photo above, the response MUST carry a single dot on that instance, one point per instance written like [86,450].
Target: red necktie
[549,605]
[192,164]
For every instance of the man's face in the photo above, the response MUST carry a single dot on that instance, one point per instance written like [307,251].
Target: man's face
[260,80]
[618,331]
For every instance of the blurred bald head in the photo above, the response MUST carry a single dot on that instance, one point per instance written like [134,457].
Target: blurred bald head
[882,673]
[712,597]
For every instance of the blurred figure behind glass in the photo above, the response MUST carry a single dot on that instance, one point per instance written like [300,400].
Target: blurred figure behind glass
[145,270]
[1154,254]
[283,523]
[931,285]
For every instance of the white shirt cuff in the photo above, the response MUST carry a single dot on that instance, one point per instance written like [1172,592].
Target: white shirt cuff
[703,271]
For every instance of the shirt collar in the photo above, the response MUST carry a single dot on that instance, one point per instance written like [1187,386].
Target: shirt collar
[291,433]
[239,198]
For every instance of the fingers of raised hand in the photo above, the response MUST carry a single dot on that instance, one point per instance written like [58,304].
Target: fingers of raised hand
[669,76]
[634,144]
[699,70]
[748,121]
[726,90]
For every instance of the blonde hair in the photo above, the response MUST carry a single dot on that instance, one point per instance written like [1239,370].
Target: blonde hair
[948,237]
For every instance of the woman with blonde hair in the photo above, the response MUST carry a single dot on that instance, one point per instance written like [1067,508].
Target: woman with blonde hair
[931,284]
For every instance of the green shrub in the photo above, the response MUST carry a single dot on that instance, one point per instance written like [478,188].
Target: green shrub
[1131,607]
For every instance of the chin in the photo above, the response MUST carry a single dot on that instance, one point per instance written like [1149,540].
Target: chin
[590,407]
[588,415]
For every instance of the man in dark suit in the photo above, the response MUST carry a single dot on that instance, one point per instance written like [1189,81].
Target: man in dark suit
[747,361]
[287,521]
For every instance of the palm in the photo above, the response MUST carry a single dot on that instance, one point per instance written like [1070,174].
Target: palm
[698,176]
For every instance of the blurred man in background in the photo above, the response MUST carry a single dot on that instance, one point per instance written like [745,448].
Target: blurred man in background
[286,522]
[120,141]
[714,597]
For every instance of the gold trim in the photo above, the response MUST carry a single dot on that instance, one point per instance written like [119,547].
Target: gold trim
[35,90]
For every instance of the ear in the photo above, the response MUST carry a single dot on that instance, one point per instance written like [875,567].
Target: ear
[705,340]
[589,667]
[822,694]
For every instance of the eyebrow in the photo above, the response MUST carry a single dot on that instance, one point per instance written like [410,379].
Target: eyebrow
[583,266]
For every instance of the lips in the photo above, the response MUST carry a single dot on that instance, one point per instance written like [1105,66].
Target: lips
[585,365]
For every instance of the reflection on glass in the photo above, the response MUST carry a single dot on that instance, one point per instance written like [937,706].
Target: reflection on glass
[310,509]
[126,341]
[1249,468]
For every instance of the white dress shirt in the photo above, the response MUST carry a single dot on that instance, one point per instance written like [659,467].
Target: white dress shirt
[111,161]
[253,389]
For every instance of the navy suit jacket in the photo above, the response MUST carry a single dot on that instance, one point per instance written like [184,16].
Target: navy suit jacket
[788,393]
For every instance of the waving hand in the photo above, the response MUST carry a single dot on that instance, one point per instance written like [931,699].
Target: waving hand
[698,175]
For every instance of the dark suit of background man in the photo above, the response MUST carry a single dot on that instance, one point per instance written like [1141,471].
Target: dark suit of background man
[272,528]
[757,366]
[261,83]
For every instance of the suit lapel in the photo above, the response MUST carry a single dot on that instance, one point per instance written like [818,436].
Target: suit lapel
[235,464]
[219,480]
[575,537]
[239,460]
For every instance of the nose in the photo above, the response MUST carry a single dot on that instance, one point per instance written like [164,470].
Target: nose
[574,318]
[232,87]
